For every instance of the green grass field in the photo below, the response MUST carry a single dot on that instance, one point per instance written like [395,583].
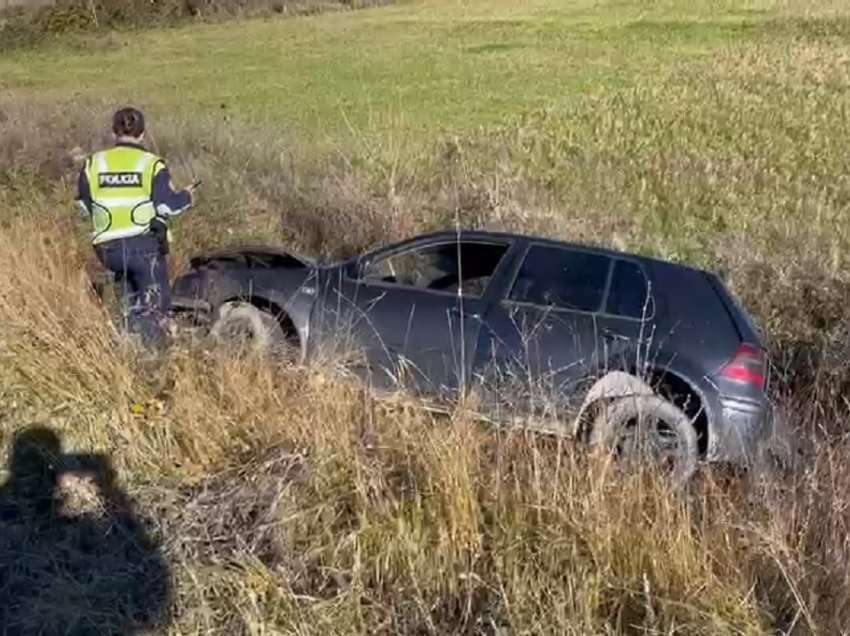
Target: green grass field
[285,502]
[428,66]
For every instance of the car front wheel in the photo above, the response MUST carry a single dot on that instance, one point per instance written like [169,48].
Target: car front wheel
[249,328]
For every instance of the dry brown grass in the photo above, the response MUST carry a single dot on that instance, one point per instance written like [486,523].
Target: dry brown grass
[288,501]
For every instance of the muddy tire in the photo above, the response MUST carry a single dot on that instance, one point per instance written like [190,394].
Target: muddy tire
[249,328]
[648,429]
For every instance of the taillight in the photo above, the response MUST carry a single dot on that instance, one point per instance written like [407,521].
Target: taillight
[748,366]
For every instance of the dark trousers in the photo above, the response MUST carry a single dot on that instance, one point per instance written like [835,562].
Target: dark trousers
[141,272]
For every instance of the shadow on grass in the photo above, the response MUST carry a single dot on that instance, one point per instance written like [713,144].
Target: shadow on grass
[74,558]
[495,47]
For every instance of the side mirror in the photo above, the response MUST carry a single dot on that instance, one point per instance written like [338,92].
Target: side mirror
[354,269]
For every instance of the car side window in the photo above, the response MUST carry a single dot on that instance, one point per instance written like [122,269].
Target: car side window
[561,278]
[439,267]
[629,294]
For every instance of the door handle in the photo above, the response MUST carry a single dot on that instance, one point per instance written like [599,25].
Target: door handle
[455,311]
[612,336]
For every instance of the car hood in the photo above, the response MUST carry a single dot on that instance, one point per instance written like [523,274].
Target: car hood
[262,256]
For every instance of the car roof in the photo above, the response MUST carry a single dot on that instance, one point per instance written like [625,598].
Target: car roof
[512,236]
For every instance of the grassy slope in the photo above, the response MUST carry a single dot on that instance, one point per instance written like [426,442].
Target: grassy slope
[693,90]
[674,129]
[425,65]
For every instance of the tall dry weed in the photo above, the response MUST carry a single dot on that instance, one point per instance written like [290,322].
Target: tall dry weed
[327,508]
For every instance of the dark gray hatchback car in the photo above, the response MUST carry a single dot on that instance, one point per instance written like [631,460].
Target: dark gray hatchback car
[546,329]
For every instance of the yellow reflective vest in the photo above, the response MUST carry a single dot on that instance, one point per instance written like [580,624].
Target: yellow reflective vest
[121,183]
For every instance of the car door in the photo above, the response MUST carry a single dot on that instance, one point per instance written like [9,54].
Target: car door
[626,322]
[545,335]
[414,312]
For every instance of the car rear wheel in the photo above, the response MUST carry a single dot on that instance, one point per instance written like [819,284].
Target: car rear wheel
[249,328]
[647,429]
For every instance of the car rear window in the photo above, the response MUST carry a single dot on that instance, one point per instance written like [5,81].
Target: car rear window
[629,294]
[695,320]
[562,278]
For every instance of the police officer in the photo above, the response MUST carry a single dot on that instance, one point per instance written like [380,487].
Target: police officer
[127,194]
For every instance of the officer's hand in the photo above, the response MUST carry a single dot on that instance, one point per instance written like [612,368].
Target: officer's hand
[191,190]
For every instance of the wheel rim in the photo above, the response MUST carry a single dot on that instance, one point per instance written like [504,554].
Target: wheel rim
[649,440]
[239,332]
[246,329]
[648,433]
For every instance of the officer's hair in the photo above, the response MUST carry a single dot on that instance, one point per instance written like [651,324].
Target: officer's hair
[128,122]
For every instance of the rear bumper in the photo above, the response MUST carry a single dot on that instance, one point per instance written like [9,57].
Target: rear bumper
[738,431]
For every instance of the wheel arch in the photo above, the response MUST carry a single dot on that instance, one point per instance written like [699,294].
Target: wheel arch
[675,388]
